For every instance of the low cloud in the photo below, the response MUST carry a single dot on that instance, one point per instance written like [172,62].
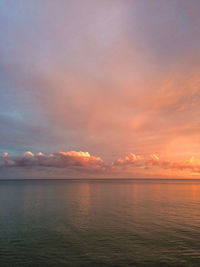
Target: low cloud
[132,161]
[69,159]
[80,162]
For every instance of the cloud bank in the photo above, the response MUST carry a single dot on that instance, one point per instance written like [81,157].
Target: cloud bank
[80,162]
[57,160]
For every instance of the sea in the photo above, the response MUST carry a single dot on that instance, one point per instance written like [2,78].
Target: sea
[118,222]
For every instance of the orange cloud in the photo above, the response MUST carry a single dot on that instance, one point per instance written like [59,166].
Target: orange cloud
[128,160]
[131,161]
[131,165]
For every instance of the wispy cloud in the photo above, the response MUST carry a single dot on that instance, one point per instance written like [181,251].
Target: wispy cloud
[108,77]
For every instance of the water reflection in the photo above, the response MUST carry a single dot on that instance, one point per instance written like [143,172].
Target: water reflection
[112,222]
[83,205]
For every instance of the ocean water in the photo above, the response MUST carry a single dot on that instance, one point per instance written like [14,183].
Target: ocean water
[100,223]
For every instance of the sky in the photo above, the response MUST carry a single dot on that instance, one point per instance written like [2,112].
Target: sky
[99,88]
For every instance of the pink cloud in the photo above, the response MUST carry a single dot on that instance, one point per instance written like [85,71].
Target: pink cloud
[131,161]
[69,159]
[128,160]
[82,162]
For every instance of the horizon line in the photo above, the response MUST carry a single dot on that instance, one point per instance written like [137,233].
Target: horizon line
[96,179]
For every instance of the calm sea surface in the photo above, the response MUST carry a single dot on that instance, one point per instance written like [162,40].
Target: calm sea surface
[100,223]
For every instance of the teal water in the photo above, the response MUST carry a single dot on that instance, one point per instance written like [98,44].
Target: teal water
[99,223]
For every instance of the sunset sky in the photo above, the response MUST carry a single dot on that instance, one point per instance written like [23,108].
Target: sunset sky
[99,88]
